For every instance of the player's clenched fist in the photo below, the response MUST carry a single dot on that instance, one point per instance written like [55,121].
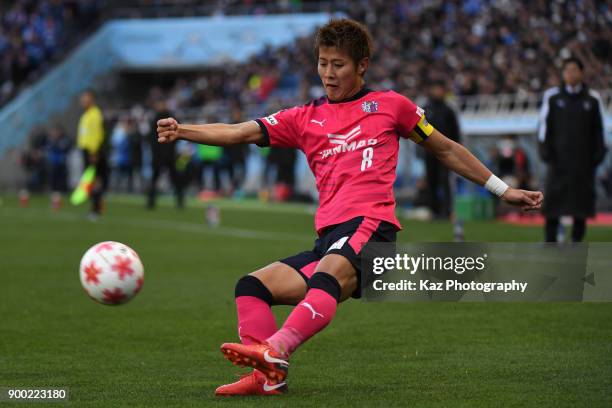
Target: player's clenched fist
[167,130]
[527,200]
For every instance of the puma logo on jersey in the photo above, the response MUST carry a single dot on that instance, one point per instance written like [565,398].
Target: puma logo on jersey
[318,122]
[309,307]
[342,139]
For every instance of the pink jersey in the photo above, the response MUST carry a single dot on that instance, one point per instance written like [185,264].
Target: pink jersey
[351,148]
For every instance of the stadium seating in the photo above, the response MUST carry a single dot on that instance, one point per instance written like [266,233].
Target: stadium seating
[497,58]
[33,33]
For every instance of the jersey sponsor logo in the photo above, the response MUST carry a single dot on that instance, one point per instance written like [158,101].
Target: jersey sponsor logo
[346,143]
[342,139]
[318,122]
[347,147]
[369,106]
[271,120]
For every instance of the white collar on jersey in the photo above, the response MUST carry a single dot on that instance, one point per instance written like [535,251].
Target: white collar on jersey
[573,90]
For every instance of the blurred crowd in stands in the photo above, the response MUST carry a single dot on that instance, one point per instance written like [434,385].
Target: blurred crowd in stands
[471,46]
[479,46]
[34,33]
[137,161]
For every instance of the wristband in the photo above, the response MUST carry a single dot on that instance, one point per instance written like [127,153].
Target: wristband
[496,186]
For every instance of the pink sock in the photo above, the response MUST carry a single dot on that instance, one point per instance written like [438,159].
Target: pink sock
[255,319]
[308,318]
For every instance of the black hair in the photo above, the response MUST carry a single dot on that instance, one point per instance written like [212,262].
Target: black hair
[573,60]
[346,35]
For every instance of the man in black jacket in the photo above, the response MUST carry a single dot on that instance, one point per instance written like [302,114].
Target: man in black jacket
[571,136]
[163,156]
[443,118]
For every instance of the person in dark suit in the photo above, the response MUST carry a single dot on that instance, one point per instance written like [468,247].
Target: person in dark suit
[572,145]
[163,156]
[444,118]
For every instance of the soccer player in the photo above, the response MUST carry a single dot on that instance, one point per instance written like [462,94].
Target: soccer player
[350,138]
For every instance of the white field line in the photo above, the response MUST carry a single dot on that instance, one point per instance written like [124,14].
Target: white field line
[308,210]
[179,226]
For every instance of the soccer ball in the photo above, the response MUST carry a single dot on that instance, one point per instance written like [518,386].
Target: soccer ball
[111,273]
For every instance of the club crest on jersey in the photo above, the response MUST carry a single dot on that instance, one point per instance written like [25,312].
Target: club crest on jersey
[369,106]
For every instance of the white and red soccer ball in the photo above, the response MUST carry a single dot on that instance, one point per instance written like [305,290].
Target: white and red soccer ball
[111,273]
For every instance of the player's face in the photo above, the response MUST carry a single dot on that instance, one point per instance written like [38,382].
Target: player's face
[572,75]
[341,77]
[86,100]
[437,92]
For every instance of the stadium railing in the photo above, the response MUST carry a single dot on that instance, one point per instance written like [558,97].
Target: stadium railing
[512,104]
[479,114]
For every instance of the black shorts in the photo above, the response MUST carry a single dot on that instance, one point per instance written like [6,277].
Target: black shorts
[101,168]
[346,239]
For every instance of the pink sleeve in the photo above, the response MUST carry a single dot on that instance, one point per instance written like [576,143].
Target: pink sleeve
[407,115]
[281,129]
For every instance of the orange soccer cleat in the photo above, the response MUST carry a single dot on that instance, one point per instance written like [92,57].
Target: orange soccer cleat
[261,357]
[255,383]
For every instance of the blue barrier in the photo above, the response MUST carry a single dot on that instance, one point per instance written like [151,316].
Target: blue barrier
[178,43]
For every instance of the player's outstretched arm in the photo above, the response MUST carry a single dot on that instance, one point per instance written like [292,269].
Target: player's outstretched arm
[459,159]
[215,134]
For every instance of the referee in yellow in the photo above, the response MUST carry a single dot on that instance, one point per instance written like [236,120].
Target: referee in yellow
[91,142]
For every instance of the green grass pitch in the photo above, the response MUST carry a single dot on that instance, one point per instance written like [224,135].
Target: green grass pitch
[162,349]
